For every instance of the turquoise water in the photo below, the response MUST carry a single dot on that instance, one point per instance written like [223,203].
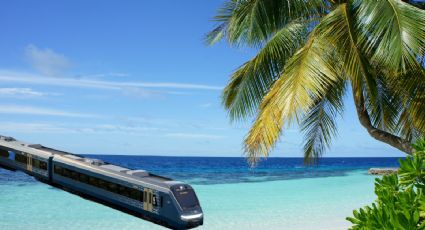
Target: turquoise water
[304,203]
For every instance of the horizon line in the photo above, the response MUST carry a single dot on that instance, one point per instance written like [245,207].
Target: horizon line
[233,156]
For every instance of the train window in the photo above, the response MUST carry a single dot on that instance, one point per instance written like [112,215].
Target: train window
[93,181]
[35,163]
[74,175]
[124,191]
[112,187]
[103,184]
[4,153]
[145,196]
[43,165]
[185,196]
[66,173]
[21,158]
[127,192]
[154,201]
[83,178]
[58,170]
[120,189]
[135,194]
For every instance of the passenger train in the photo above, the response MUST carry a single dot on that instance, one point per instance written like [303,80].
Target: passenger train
[161,200]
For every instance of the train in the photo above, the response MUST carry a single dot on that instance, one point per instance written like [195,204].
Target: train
[151,197]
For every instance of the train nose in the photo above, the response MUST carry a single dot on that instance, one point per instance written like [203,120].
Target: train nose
[192,220]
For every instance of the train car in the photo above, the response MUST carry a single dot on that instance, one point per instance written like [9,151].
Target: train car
[16,155]
[158,199]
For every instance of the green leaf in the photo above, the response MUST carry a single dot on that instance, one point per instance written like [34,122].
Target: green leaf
[392,32]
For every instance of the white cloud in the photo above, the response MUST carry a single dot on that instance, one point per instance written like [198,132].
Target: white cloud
[30,110]
[105,128]
[46,61]
[103,75]
[15,127]
[146,93]
[25,78]
[148,122]
[19,127]
[193,136]
[206,105]
[140,92]
[24,92]
[172,85]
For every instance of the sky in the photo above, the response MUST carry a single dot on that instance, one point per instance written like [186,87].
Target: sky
[132,77]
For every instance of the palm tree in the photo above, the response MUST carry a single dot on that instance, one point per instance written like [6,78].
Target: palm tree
[310,54]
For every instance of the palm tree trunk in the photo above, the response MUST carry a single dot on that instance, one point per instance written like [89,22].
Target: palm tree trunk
[380,135]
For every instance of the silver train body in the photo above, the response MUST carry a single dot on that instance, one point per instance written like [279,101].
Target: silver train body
[154,198]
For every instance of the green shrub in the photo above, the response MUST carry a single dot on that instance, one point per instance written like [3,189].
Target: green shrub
[401,199]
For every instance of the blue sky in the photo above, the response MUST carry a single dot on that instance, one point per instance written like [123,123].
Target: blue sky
[130,77]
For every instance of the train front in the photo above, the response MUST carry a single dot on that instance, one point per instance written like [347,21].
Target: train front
[191,215]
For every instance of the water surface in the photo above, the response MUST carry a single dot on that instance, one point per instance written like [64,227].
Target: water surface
[279,194]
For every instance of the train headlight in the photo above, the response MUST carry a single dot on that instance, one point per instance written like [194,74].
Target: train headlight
[191,217]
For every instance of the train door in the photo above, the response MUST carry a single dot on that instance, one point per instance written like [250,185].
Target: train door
[147,199]
[29,162]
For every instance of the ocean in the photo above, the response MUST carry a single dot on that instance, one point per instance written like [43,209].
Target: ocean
[280,193]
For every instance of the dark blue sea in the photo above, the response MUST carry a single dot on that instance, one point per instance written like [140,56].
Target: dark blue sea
[221,170]
[216,170]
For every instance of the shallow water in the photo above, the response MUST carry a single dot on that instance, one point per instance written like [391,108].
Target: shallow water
[269,197]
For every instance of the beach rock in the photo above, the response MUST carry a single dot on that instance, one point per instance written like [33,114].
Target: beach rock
[382,171]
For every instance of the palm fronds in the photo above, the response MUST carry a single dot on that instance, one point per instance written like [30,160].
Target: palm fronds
[392,32]
[252,81]
[253,22]
[319,123]
[306,77]
[308,51]
[384,109]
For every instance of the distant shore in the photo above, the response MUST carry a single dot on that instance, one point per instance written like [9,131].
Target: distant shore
[382,171]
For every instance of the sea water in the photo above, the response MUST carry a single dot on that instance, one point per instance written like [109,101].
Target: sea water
[280,193]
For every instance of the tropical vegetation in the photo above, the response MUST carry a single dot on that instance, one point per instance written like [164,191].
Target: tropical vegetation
[400,200]
[310,54]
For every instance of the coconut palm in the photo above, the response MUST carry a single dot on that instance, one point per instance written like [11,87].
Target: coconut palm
[312,53]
